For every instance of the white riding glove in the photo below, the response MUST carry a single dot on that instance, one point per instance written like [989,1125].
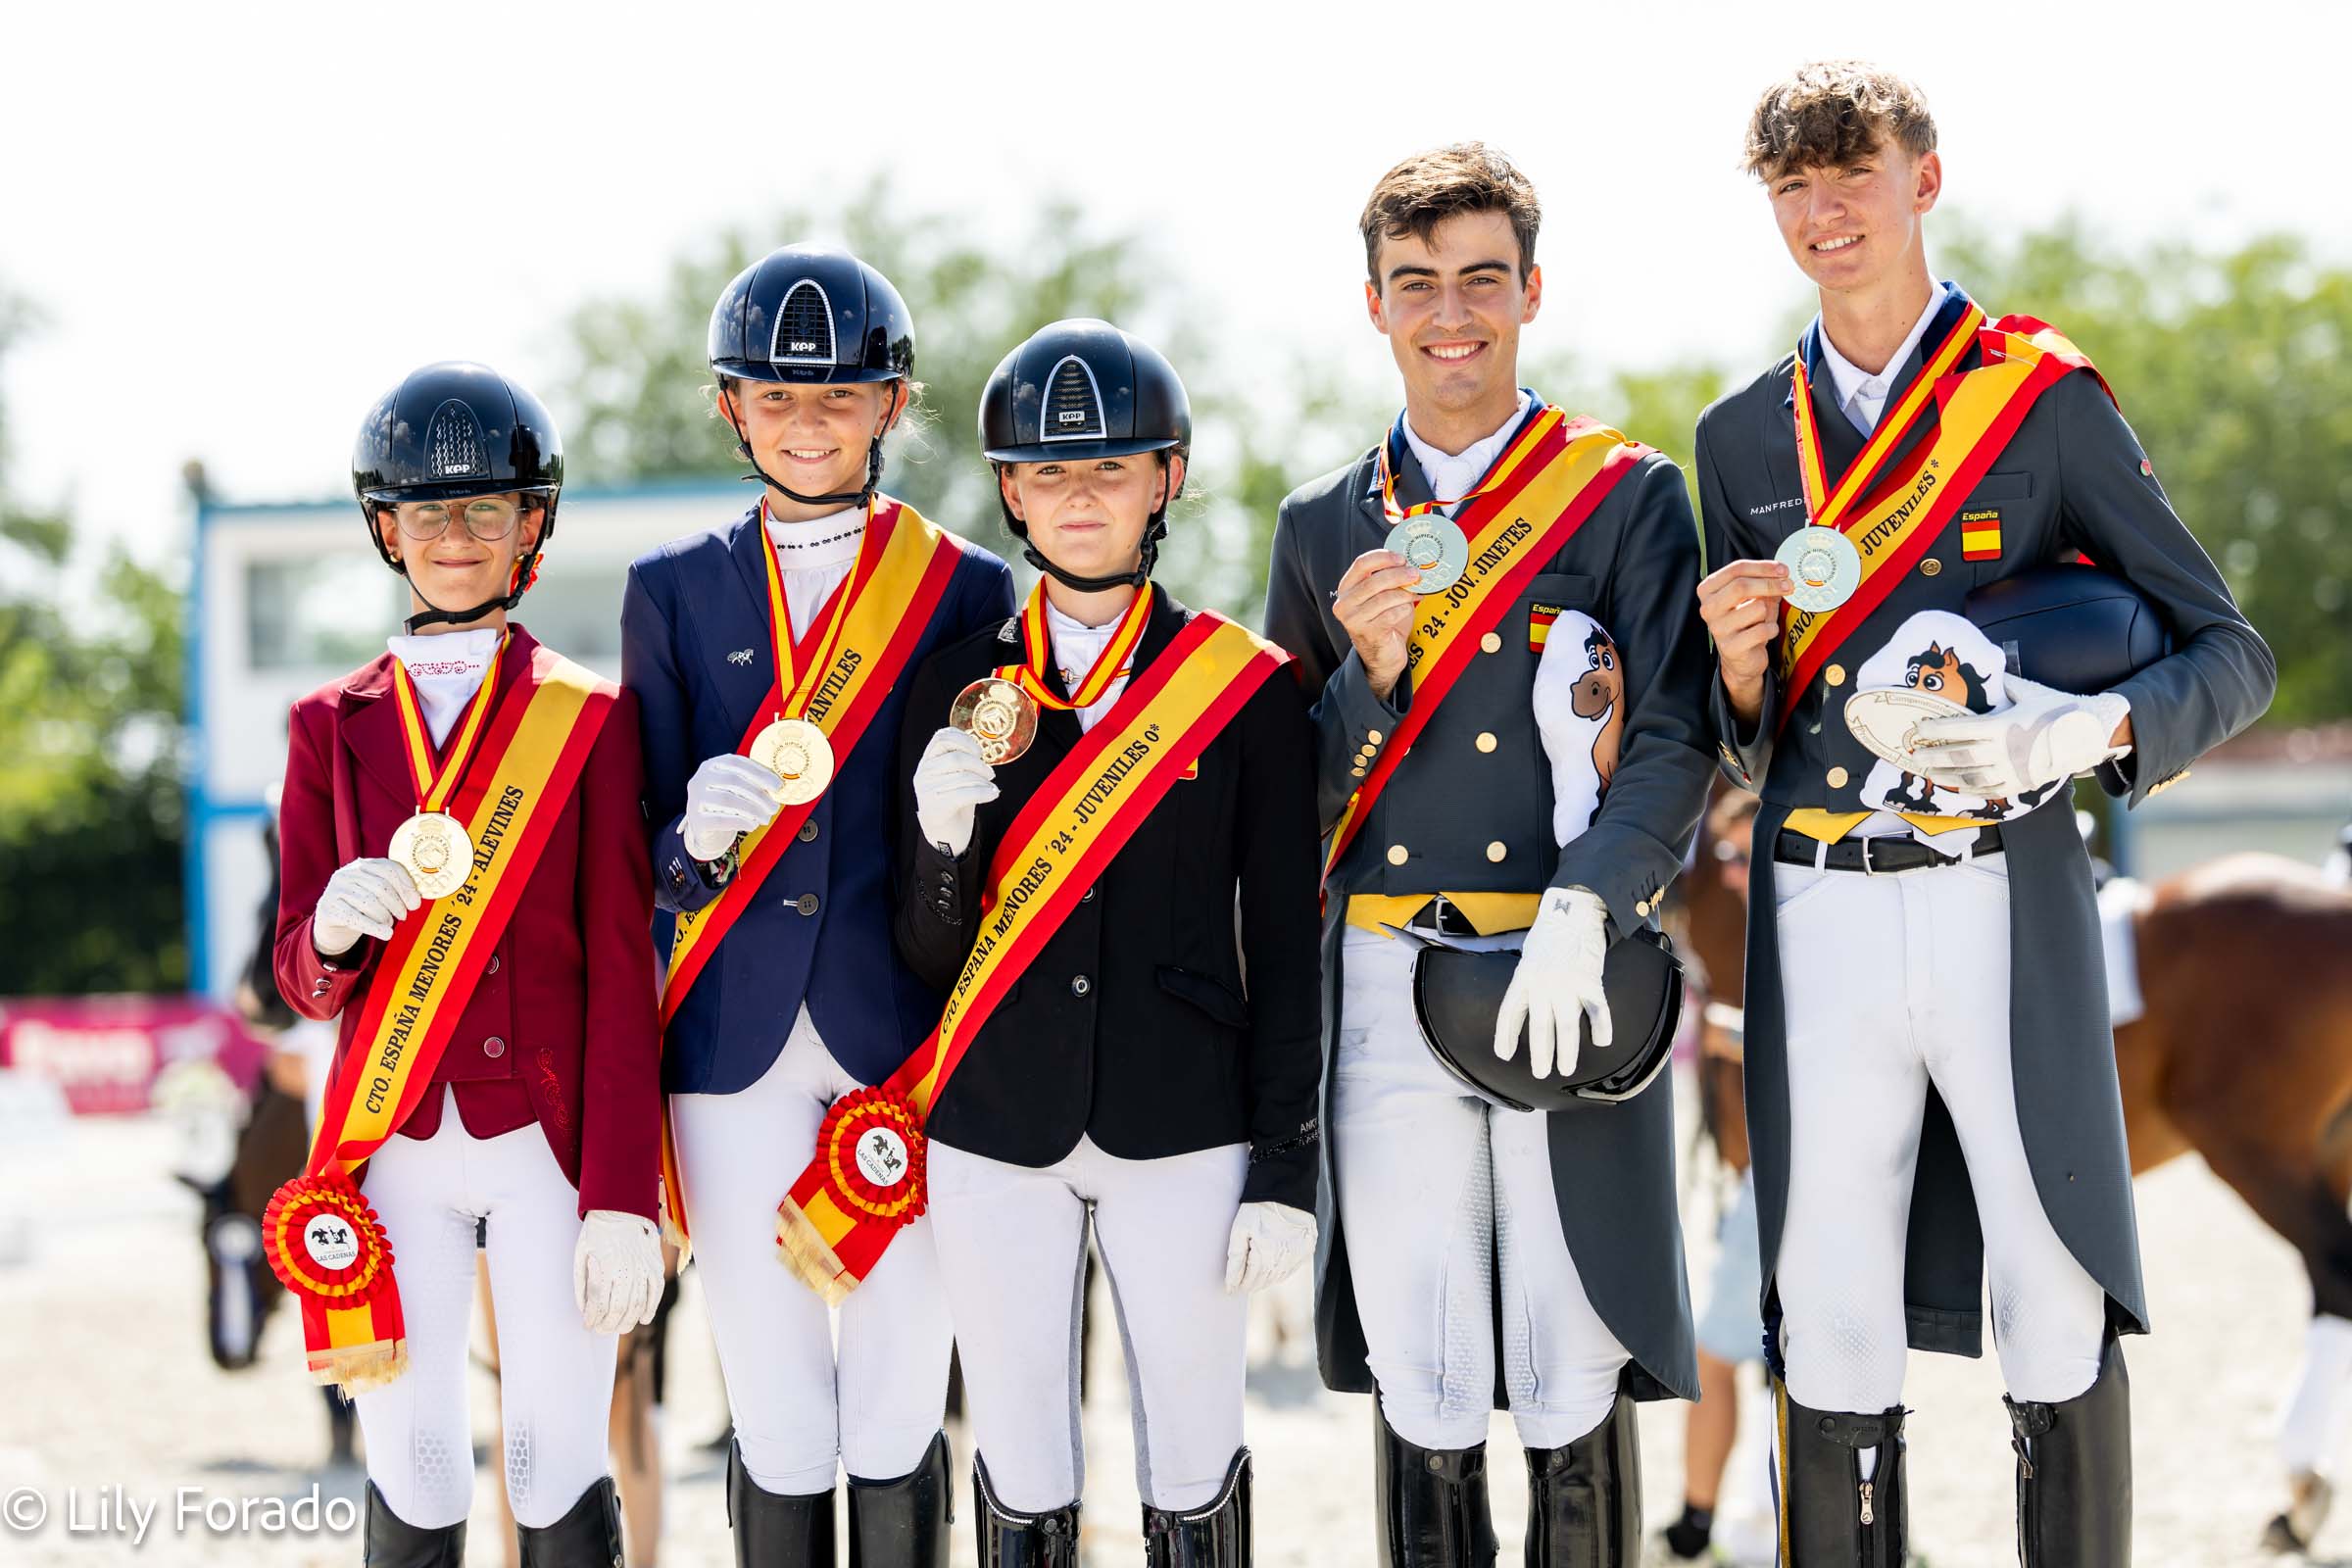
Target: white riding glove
[1558,982]
[1270,1243]
[727,797]
[2041,737]
[616,1270]
[950,784]
[364,898]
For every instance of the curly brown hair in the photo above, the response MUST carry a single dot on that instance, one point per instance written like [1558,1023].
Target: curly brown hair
[1426,189]
[1829,113]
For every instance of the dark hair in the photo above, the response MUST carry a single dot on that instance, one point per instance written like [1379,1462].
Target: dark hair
[1831,112]
[1426,189]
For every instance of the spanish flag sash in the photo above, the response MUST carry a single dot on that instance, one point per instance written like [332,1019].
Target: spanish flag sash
[1540,492]
[866,1179]
[873,626]
[1975,413]
[322,1237]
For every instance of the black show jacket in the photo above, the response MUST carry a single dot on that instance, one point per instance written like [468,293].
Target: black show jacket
[1178,1008]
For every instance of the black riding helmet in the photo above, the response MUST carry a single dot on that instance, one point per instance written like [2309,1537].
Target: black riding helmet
[1079,390]
[457,429]
[813,315]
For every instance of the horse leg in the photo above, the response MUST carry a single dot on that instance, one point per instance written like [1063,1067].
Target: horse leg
[2301,1202]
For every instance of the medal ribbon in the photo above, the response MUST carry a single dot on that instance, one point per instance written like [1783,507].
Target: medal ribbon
[1558,473]
[882,619]
[1827,506]
[1976,413]
[1036,644]
[1501,474]
[793,684]
[353,1332]
[840,1215]
[433,789]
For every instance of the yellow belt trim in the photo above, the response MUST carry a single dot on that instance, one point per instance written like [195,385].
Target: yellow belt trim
[1492,914]
[1829,827]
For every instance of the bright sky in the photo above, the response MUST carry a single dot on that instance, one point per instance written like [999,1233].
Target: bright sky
[242,222]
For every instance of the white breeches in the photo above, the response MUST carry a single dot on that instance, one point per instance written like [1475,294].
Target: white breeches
[1891,983]
[1434,1186]
[801,1407]
[555,1377]
[1013,1251]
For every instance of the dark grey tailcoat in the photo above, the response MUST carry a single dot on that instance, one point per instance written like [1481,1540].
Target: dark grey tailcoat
[2072,478]
[1633,566]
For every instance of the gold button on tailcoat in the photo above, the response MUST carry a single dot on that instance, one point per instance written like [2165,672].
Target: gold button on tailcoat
[1838,778]
[1491,642]
[1835,675]
[1486,740]
[1495,851]
[1397,855]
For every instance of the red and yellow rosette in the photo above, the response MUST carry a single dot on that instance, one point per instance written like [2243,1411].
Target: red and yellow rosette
[866,1181]
[327,1246]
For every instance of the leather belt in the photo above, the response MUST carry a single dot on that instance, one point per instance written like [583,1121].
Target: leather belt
[1898,852]
[1442,916]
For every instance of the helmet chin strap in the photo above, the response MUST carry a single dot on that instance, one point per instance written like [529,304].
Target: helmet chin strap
[526,569]
[1153,532]
[845,498]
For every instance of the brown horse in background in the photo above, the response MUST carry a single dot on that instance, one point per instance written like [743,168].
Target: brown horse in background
[2242,1050]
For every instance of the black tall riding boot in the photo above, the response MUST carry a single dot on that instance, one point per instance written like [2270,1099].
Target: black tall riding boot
[588,1535]
[1831,1517]
[773,1530]
[1215,1535]
[2074,1473]
[904,1522]
[1584,1500]
[1010,1539]
[1430,1503]
[391,1542]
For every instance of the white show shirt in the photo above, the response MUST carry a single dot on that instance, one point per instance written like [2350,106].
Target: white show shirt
[1862,394]
[815,557]
[1451,476]
[446,670]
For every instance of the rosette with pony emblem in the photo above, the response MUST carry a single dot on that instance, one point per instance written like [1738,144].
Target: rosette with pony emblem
[870,1161]
[328,1247]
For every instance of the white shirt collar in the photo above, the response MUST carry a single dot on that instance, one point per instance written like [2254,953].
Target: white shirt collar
[1872,388]
[831,540]
[1453,475]
[447,670]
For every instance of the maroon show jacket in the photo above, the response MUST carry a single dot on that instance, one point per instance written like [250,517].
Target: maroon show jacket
[561,1028]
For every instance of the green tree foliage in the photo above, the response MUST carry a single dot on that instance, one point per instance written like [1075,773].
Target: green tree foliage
[90,817]
[2236,369]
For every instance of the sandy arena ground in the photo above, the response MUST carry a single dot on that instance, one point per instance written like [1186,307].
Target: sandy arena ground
[109,1389]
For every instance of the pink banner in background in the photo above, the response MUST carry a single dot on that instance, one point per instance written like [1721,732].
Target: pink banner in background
[105,1052]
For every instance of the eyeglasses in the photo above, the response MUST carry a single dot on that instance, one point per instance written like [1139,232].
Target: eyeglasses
[488,518]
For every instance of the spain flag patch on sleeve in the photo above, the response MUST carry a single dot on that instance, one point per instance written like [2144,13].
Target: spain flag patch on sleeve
[1980,534]
[1539,625]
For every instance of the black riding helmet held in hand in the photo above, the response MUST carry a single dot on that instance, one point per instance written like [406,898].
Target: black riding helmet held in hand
[813,315]
[456,430]
[1076,391]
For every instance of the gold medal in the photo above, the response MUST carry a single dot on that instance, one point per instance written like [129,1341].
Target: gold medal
[797,752]
[436,852]
[999,715]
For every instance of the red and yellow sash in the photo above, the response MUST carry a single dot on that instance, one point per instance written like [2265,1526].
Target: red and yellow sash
[1538,493]
[866,1179]
[322,1237]
[872,627]
[1892,526]
[1037,651]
